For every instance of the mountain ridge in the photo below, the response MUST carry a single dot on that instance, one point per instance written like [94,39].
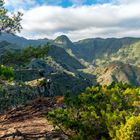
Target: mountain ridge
[91,52]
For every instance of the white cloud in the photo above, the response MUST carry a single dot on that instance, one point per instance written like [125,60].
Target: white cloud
[128,1]
[101,20]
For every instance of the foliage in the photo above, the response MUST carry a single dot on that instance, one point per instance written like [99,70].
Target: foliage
[8,23]
[26,55]
[98,113]
[131,130]
[13,96]
[6,72]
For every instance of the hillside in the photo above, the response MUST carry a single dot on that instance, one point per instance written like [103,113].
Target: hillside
[21,41]
[63,58]
[29,122]
[119,72]
[103,56]
[129,54]
[64,75]
[44,74]
[70,70]
[92,49]
[99,51]
[6,46]
[73,57]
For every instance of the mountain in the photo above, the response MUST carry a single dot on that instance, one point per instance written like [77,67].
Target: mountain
[66,60]
[119,72]
[129,54]
[99,51]
[91,49]
[11,38]
[10,41]
[111,59]
[94,51]
[98,54]
[63,41]
[6,46]
[20,41]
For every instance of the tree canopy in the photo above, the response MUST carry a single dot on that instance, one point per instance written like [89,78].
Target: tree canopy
[6,72]
[101,112]
[9,23]
[25,55]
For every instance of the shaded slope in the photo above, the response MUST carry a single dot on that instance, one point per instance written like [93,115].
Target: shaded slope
[63,58]
[6,46]
[20,41]
[63,80]
[129,54]
[90,49]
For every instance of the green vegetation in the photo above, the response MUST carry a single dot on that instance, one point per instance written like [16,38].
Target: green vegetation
[91,50]
[13,96]
[99,113]
[131,130]
[24,56]
[6,73]
[127,54]
[9,24]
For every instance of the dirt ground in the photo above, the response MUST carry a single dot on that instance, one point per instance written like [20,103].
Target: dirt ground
[29,122]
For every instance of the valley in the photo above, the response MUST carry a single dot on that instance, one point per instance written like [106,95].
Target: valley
[73,58]
[42,71]
[69,70]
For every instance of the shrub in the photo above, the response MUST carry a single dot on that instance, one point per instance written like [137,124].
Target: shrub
[98,113]
[25,56]
[131,130]
[6,72]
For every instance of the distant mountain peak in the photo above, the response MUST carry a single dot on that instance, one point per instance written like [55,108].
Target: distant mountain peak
[64,41]
[62,37]
[21,41]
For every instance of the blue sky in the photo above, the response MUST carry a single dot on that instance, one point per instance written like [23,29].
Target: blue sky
[63,3]
[67,3]
[78,19]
